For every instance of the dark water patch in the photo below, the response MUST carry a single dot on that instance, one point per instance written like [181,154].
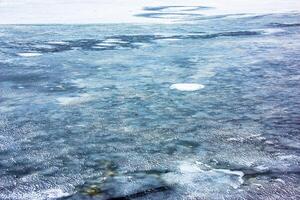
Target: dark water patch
[197,32]
[216,35]
[238,33]
[22,78]
[216,17]
[125,41]
[142,193]
[255,17]
[54,49]
[138,38]
[269,173]
[283,25]
[151,38]
[36,47]
[184,16]
[84,43]
[180,8]
[169,15]
[114,186]
[173,12]
[157,172]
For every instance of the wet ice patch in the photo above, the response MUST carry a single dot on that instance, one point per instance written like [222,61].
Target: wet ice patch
[238,176]
[106,44]
[69,101]
[243,138]
[37,194]
[29,54]
[199,179]
[99,47]
[55,193]
[43,46]
[110,43]
[169,39]
[261,168]
[187,87]
[58,42]
[141,44]
[114,40]
[270,31]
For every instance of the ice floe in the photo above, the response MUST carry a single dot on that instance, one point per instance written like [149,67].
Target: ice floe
[29,54]
[187,86]
[197,176]
[55,193]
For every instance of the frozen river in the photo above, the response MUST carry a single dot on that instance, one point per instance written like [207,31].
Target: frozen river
[205,107]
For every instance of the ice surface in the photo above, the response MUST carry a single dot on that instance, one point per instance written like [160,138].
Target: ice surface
[82,122]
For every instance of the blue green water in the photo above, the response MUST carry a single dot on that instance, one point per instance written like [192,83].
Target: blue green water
[87,112]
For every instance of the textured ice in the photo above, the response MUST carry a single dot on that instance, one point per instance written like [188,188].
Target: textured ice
[82,122]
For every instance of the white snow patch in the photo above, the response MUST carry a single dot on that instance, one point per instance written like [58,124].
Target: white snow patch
[29,54]
[69,101]
[55,193]
[196,176]
[187,86]
[125,11]
[98,47]
[270,31]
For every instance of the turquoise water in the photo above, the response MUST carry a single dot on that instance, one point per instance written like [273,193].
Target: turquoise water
[89,111]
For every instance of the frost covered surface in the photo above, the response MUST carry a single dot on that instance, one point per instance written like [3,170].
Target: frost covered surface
[92,114]
[128,11]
